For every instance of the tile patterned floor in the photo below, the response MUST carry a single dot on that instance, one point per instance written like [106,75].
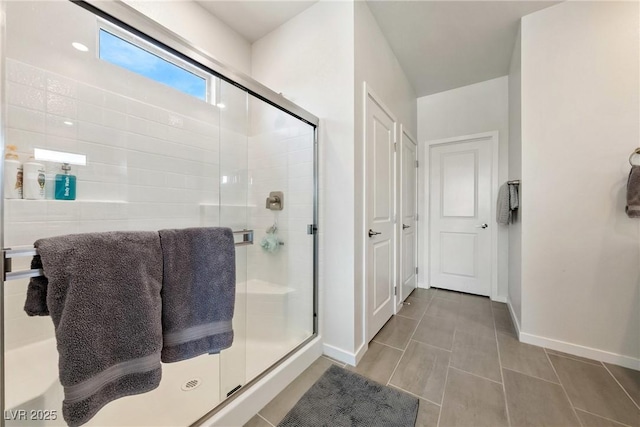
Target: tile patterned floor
[459,355]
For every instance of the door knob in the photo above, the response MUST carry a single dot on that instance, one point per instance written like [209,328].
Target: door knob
[404,226]
[482,226]
[373,233]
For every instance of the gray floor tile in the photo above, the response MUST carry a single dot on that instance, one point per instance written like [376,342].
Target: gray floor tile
[477,355]
[422,371]
[590,420]
[256,421]
[475,317]
[451,295]
[378,362]
[571,356]
[472,401]
[534,402]
[275,410]
[435,331]
[592,388]
[396,332]
[525,358]
[499,305]
[423,294]
[415,309]
[443,308]
[628,378]
[503,322]
[427,414]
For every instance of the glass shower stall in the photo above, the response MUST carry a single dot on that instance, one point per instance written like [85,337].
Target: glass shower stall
[157,135]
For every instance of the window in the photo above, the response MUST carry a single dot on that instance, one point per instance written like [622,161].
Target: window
[126,54]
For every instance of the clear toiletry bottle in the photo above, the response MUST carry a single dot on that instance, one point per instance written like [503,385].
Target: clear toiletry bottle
[33,181]
[12,174]
[65,184]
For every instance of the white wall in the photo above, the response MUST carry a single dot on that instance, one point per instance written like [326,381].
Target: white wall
[375,64]
[477,108]
[311,60]
[195,24]
[515,172]
[580,109]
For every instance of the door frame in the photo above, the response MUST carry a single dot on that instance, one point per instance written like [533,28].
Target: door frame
[404,131]
[424,177]
[368,92]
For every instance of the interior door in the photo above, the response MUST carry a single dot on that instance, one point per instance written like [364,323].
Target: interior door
[460,209]
[380,138]
[408,205]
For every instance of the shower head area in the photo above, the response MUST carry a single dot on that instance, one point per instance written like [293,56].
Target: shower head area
[114,124]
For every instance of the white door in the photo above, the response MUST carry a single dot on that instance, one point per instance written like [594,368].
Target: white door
[408,205]
[380,138]
[460,209]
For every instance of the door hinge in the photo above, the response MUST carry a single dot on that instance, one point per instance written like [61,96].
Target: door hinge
[395,290]
[416,270]
[395,146]
[417,163]
[312,229]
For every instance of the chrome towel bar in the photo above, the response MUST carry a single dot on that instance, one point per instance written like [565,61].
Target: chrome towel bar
[8,254]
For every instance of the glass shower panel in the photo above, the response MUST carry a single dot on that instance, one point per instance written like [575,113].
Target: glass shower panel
[232,103]
[280,263]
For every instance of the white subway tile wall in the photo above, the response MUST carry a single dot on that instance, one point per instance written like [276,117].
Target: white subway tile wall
[148,167]
[151,167]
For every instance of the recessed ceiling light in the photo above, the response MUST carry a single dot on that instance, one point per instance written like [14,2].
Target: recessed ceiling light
[80,46]
[221,105]
[68,123]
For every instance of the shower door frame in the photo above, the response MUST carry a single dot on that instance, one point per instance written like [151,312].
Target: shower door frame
[123,15]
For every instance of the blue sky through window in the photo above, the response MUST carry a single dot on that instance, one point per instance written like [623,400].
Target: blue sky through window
[127,55]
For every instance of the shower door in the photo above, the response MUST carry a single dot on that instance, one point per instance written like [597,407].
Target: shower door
[194,150]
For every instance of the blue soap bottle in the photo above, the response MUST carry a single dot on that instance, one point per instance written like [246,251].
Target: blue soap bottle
[65,184]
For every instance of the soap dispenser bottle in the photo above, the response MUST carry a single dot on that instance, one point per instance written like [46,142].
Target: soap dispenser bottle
[34,180]
[65,184]
[12,174]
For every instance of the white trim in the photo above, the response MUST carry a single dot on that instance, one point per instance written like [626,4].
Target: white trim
[580,350]
[493,137]
[344,356]
[368,92]
[499,298]
[245,406]
[514,318]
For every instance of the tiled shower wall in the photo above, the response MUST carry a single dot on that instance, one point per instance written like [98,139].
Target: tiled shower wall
[148,166]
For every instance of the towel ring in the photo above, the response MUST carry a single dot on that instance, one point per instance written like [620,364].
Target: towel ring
[636,151]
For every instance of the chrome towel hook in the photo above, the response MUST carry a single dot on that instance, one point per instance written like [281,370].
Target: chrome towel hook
[636,151]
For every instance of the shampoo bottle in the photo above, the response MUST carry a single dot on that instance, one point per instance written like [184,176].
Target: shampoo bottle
[12,174]
[65,184]
[34,180]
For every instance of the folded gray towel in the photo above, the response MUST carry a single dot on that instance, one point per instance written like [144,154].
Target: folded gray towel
[36,302]
[503,211]
[103,293]
[633,192]
[514,199]
[198,292]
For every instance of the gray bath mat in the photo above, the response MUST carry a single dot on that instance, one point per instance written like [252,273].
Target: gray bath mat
[341,398]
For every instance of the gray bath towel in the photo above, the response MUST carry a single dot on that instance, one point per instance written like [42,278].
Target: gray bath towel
[198,292]
[103,293]
[633,192]
[503,211]
[514,199]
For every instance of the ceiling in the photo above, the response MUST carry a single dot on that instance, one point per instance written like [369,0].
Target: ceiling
[255,19]
[443,45]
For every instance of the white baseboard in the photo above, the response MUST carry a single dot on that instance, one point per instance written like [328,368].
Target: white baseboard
[514,318]
[345,356]
[499,298]
[580,350]
[246,405]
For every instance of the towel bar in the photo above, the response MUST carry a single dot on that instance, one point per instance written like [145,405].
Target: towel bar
[514,182]
[8,254]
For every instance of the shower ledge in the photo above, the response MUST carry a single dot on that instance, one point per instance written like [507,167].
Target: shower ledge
[30,371]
